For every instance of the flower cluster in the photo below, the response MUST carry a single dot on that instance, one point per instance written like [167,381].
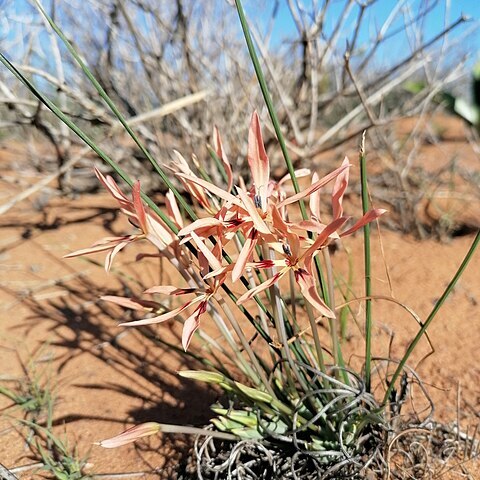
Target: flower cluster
[258,220]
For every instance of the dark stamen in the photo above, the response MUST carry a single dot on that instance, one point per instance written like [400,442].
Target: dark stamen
[286,249]
[257,200]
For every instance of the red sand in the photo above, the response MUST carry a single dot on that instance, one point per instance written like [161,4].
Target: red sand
[106,378]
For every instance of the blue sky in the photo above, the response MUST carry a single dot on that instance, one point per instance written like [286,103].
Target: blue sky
[375,17]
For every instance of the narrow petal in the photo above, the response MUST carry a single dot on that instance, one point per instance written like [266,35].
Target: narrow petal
[158,233]
[325,233]
[212,260]
[110,184]
[132,303]
[224,195]
[309,226]
[191,324]
[164,317]
[170,290]
[291,238]
[320,241]
[139,207]
[245,254]
[201,223]
[111,255]
[93,249]
[258,160]
[313,188]
[203,264]
[262,264]
[309,291]
[300,173]
[370,216]
[172,209]
[130,435]
[315,200]
[339,187]
[263,286]
[257,220]
[217,143]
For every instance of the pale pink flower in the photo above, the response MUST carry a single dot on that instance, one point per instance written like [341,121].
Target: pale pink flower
[151,226]
[131,435]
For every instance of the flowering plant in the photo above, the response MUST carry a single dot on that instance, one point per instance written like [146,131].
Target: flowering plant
[285,383]
[253,235]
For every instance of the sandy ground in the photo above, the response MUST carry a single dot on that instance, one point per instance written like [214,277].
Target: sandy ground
[106,378]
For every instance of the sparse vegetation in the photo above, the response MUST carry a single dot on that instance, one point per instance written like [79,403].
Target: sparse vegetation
[266,318]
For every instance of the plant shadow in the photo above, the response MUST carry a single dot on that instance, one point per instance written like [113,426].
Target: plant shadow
[141,365]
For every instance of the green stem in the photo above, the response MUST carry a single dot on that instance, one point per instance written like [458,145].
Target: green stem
[367,266]
[81,134]
[117,112]
[432,315]
[268,101]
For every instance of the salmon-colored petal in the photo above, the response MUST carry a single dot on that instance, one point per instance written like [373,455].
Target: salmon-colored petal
[314,187]
[258,160]
[139,207]
[110,184]
[263,286]
[219,271]
[309,291]
[224,195]
[321,239]
[217,143]
[132,303]
[339,187]
[370,216]
[212,259]
[326,232]
[191,324]
[164,317]
[87,251]
[158,233]
[300,173]
[278,222]
[201,223]
[257,220]
[172,209]
[111,255]
[203,264]
[262,264]
[169,290]
[309,226]
[315,199]
[291,245]
[245,254]
[130,435]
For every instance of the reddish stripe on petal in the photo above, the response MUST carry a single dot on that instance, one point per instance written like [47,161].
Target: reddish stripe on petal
[139,207]
[164,317]
[191,324]
[245,254]
[258,159]
[339,187]
[210,187]
[260,288]
[110,184]
[130,435]
[170,290]
[313,188]
[370,216]
[309,291]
